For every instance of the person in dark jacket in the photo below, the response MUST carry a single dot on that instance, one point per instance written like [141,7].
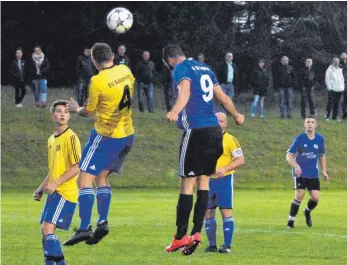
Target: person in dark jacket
[307,80]
[145,74]
[343,65]
[260,83]
[285,81]
[84,70]
[18,72]
[38,71]
[121,58]
[226,72]
[168,88]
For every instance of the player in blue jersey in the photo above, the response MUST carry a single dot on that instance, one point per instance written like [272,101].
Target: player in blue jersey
[202,140]
[304,155]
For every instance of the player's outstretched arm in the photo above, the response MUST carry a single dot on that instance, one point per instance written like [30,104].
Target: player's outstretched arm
[39,191]
[323,162]
[182,100]
[71,173]
[73,107]
[228,104]
[236,163]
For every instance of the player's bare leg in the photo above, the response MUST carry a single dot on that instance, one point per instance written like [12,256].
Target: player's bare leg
[103,196]
[51,246]
[211,230]
[228,230]
[311,204]
[199,214]
[86,200]
[184,207]
[294,208]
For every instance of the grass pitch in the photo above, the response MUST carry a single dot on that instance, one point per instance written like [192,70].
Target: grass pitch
[142,223]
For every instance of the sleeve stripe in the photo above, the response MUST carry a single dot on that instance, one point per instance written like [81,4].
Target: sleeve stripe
[73,144]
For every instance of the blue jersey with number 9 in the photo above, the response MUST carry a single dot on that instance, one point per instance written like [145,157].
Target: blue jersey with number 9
[199,112]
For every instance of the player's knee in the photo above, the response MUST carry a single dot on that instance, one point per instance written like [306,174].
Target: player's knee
[315,198]
[47,228]
[226,212]
[299,196]
[210,213]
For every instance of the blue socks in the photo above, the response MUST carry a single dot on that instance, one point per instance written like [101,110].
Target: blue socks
[228,230]
[211,228]
[86,201]
[103,196]
[52,250]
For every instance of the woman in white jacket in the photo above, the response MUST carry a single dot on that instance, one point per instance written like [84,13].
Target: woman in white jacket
[335,85]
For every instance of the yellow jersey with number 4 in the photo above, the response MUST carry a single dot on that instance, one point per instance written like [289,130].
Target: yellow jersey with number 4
[64,151]
[110,94]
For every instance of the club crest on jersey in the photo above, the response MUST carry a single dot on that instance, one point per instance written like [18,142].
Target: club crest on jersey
[315,146]
[57,148]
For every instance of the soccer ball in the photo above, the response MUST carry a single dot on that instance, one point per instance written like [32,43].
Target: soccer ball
[119,20]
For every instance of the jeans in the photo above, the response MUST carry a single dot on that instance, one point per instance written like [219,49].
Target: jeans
[148,90]
[258,98]
[20,91]
[169,95]
[286,97]
[334,100]
[307,94]
[39,88]
[82,91]
[228,89]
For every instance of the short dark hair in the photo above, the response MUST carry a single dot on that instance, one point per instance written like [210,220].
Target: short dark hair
[37,46]
[58,103]
[201,54]
[310,116]
[19,49]
[172,51]
[101,52]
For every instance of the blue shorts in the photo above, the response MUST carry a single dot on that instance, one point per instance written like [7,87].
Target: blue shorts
[58,211]
[221,192]
[105,153]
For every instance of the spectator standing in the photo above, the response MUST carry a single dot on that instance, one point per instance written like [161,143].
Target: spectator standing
[307,80]
[226,73]
[168,88]
[336,85]
[285,81]
[343,65]
[260,83]
[38,71]
[121,58]
[85,71]
[145,74]
[18,72]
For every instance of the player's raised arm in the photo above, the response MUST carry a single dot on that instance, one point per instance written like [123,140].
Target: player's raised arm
[228,104]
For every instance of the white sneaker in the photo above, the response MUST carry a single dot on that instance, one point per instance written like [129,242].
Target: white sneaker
[20,105]
[252,114]
[338,119]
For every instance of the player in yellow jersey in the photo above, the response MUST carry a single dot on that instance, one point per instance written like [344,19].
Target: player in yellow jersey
[222,189]
[64,153]
[110,94]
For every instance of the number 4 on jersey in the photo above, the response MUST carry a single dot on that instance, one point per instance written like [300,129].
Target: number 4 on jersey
[126,99]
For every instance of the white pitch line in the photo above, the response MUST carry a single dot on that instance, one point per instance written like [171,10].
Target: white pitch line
[289,231]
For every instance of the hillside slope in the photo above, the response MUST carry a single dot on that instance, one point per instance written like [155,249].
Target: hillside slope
[153,162]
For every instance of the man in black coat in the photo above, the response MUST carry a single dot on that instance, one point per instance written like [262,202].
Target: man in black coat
[285,80]
[18,75]
[121,58]
[84,70]
[343,65]
[307,79]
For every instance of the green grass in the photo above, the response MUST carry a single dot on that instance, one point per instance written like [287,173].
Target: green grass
[142,223]
[153,162]
[142,218]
